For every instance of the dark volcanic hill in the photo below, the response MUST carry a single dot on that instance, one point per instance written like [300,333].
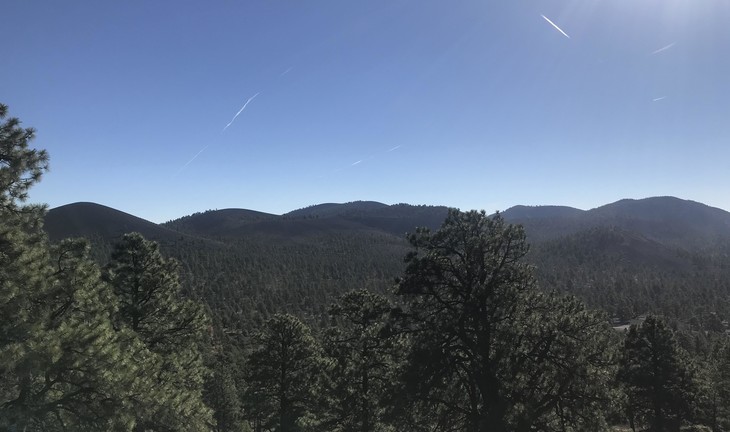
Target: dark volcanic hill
[85,219]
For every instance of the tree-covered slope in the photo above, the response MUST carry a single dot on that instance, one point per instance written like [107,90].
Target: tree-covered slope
[628,257]
[669,221]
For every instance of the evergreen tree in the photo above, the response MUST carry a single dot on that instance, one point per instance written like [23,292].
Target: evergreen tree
[24,261]
[361,348]
[24,284]
[89,374]
[488,352]
[20,166]
[222,395]
[171,328]
[657,376]
[283,375]
[62,365]
[716,389]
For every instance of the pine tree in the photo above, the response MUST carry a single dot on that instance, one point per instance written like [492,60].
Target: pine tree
[171,328]
[657,376]
[93,373]
[716,389]
[223,396]
[283,375]
[488,351]
[24,261]
[20,167]
[361,348]
[61,363]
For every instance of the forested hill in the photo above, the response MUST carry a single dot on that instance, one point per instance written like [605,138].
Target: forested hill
[627,257]
[315,220]
[667,220]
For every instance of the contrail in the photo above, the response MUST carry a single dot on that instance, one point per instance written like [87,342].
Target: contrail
[285,72]
[240,111]
[554,25]
[395,148]
[663,48]
[658,99]
[355,163]
[193,158]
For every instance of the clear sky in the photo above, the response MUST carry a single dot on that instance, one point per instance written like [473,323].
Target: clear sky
[472,104]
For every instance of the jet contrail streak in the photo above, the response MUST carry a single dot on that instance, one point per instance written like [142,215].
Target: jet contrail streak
[555,25]
[663,48]
[193,158]
[395,148]
[355,163]
[240,111]
[658,99]
[285,72]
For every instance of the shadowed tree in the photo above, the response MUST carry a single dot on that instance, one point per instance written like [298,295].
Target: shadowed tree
[172,328]
[283,376]
[361,348]
[488,351]
[657,377]
[223,396]
[715,390]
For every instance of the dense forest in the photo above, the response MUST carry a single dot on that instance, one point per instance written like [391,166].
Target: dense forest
[460,326]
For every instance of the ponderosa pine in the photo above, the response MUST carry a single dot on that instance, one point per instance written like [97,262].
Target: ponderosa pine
[489,352]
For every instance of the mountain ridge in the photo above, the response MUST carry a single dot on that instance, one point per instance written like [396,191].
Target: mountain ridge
[666,220]
[623,257]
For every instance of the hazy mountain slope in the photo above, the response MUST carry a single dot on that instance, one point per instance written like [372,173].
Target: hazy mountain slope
[667,220]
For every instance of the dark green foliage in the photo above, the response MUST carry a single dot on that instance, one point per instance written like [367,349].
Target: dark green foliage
[488,351]
[24,263]
[283,374]
[714,387]
[657,376]
[361,349]
[171,328]
[223,396]
[148,291]
[20,167]
[75,354]
[73,369]
[91,372]
[62,364]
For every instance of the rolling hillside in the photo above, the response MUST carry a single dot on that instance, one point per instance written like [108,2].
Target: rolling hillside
[626,257]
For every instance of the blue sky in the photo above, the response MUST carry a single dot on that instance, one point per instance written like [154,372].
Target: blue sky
[471,104]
